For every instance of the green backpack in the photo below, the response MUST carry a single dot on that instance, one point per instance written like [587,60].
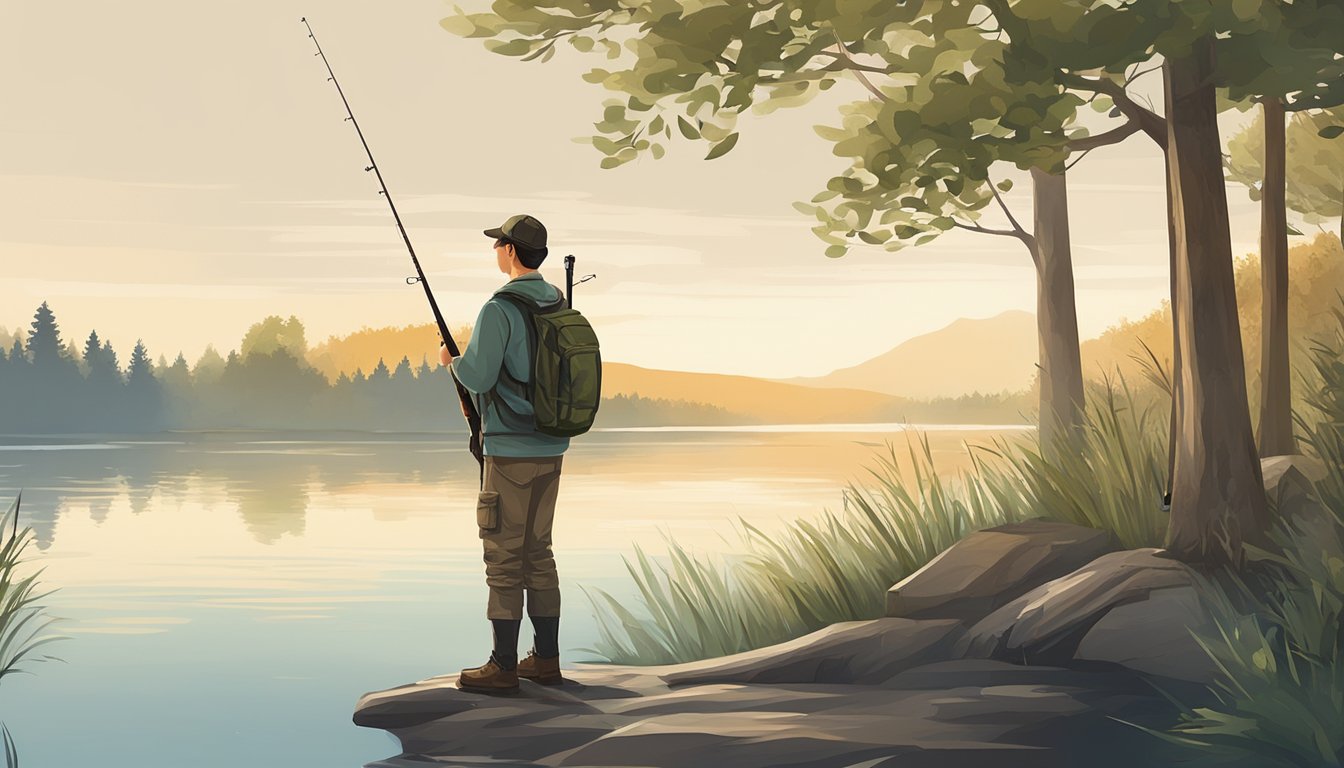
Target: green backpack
[566,384]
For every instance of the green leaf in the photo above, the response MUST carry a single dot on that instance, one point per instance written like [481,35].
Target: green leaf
[687,129]
[1331,131]
[1005,185]
[596,76]
[723,147]
[518,47]
[610,162]
[658,151]
[836,251]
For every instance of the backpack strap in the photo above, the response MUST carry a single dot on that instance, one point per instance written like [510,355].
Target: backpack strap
[528,307]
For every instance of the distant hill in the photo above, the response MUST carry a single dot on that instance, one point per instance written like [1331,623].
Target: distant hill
[363,348]
[742,397]
[995,354]
[766,401]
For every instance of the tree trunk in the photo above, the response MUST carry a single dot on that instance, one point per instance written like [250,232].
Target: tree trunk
[1218,497]
[1056,313]
[1276,412]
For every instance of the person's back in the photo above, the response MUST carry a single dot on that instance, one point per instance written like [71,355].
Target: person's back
[506,415]
[521,473]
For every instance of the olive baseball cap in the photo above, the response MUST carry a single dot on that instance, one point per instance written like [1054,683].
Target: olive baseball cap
[522,229]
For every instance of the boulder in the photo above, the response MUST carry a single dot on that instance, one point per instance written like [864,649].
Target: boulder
[988,568]
[1133,608]
[1274,468]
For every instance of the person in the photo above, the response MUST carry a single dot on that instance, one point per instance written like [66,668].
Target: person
[521,473]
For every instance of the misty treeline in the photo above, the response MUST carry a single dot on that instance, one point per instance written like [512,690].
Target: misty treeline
[51,386]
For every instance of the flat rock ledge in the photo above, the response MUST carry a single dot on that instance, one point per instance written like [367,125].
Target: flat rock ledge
[960,713]
[1027,645]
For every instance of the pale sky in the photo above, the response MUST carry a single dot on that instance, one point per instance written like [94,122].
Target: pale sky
[177,171]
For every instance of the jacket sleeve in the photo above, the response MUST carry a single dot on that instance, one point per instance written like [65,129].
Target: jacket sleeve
[478,367]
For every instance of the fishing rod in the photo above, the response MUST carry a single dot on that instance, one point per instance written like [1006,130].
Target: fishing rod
[468,404]
[569,281]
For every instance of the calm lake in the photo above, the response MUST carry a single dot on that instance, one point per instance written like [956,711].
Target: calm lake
[228,596]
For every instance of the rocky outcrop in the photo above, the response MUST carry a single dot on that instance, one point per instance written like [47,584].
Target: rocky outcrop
[1019,646]
[1134,608]
[988,568]
[963,713]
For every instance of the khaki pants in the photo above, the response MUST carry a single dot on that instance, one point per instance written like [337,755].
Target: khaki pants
[515,512]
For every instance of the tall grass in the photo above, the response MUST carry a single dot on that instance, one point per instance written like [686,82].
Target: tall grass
[839,567]
[1110,475]
[23,625]
[1279,638]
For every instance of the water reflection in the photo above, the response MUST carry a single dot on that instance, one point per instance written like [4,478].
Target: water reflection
[270,478]
[266,476]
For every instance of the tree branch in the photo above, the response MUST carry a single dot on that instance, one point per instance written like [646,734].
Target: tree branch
[978,228]
[1113,136]
[1151,123]
[844,54]
[1079,159]
[1017,227]
[854,65]
[1027,240]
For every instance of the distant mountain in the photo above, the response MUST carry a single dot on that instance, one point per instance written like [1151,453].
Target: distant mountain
[989,355]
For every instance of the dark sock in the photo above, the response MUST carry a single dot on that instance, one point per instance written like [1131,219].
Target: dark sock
[546,641]
[506,642]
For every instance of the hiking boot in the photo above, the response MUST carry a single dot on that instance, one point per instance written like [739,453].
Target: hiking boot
[489,678]
[541,670]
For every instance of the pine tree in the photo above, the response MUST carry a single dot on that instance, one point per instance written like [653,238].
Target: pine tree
[143,391]
[72,354]
[92,349]
[16,353]
[110,359]
[403,372]
[44,340]
[141,369]
[380,373]
[209,366]
[178,375]
[100,360]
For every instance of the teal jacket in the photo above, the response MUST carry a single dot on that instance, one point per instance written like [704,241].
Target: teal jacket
[496,367]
